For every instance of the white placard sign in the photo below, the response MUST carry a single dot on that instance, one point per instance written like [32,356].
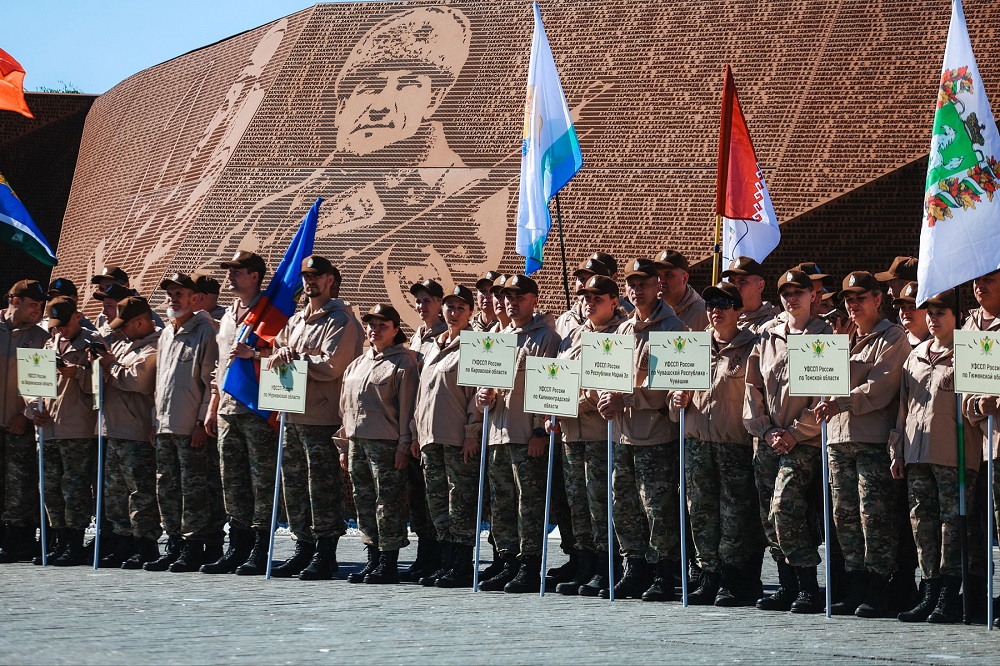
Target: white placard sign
[283,388]
[680,360]
[36,373]
[608,362]
[487,359]
[977,362]
[819,365]
[552,386]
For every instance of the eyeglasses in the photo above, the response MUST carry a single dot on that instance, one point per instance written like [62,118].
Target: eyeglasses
[719,304]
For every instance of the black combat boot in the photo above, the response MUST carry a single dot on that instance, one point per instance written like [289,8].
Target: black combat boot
[16,546]
[875,604]
[662,587]
[637,579]
[240,543]
[808,599]
[214,549]
[733,588]
[74,555]
[427,561]
[901,593]
[387,571]
[293,566]
[146,550]
[855,589]
[511,566]
[788,587]
[191,559]
[460,574]
[948,609]
[528,578]
[496,565]
[920,612]
[58,542]
[324,561]
[586,562]
[256,561]
[447,560]
[122,549]
[170,555]
[359,576]
[706,592]
[564,573]
[599,581]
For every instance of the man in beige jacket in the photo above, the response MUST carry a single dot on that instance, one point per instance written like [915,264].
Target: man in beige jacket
[747,275]
[677,293]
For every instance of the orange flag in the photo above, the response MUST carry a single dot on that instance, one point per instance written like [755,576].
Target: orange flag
[12,85]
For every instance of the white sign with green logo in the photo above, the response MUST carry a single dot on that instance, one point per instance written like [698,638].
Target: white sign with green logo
[487,359]
[819,365]
[977,362]
[680,360]
[36,373]
[608,361]
[552,386]
[283,388]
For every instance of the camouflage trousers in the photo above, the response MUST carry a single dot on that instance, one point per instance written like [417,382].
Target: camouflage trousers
[517,484]
[646,502]
[559,510]
[379,491]
[452,491]
[721,500]
[19,454]
[130,488]
[421,522]
[310,477]
[783,493]
[70,472]
[862,490]
[977,518]
[186,492]
[248,455]
[585,471]
[934,516]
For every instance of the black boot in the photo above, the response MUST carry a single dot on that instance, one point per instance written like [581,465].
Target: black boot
[496,565]
[528,578]
[447,560]
[256,561]
[170,555]
[213,549]
[359,576]
[901,593]
[122,549]
[599,581]
[948,609]
[58,542]
[637,579]
[387,571]
[586,562]
[324,561]
[427,561]
[662,587]
[734,588]
[191,559]
[74,554]
[808,600]
[460,574]
[511,566]
[293,566]
[564,573]
[855,589]
[15,544]
[875,604]
[146,550]
[920,612]
[788,587]
[239,549]
[707,590]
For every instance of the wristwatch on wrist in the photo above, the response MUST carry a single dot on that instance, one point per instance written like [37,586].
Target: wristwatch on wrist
[199,423]
[256,354]
[539,432]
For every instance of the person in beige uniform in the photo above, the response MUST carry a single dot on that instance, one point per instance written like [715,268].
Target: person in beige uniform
[486,316]
[902,271]
[206,295]
[787,455]
[677,293]
[747,275]
[19,329]
[912,318]
[574,318]
[449,429]
[325,336]
[503,321]
[109,310]
[378,401]
[859,461]
[822,304]
[923,449]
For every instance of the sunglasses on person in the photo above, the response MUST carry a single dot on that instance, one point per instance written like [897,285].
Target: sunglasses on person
[719,304]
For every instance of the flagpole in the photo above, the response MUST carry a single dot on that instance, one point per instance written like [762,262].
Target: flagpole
[717,249]
[722,176]
[562,248]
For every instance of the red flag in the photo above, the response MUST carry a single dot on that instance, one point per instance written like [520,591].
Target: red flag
[12,85]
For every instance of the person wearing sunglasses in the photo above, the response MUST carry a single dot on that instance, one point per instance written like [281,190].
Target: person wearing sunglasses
[747,276]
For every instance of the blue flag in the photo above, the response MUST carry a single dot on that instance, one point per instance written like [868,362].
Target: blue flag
[17,228]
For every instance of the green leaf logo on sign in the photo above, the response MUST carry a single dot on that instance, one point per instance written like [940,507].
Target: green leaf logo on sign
[986,344]
[817,348]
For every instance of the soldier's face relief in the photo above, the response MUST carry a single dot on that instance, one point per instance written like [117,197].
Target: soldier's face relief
[384,108]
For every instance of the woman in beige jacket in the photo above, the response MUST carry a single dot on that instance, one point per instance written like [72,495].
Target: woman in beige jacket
[924,448]
[377,403]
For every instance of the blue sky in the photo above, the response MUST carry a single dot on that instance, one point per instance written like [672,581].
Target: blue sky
[93,45]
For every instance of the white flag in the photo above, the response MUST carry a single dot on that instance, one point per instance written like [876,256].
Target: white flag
[960,232]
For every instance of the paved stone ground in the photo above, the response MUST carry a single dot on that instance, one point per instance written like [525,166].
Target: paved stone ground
[79,616]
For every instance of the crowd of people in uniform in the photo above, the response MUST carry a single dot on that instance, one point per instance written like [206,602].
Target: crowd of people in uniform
[184,457]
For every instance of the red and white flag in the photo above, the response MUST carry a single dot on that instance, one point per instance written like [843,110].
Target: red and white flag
[749,225]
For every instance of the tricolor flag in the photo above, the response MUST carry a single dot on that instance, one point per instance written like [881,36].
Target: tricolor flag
[12,85]
[749,225]
[960,231]
[269,316]
[550,152]
[17,229]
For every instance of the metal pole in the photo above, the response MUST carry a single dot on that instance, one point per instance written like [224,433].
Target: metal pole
[277,489]
[479,505]
[826,517]
[100,467]
[963,534]
[683,496]
[548,505]
[717,250]
[989,522]
[562,246]
[611,524]
[41,491]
